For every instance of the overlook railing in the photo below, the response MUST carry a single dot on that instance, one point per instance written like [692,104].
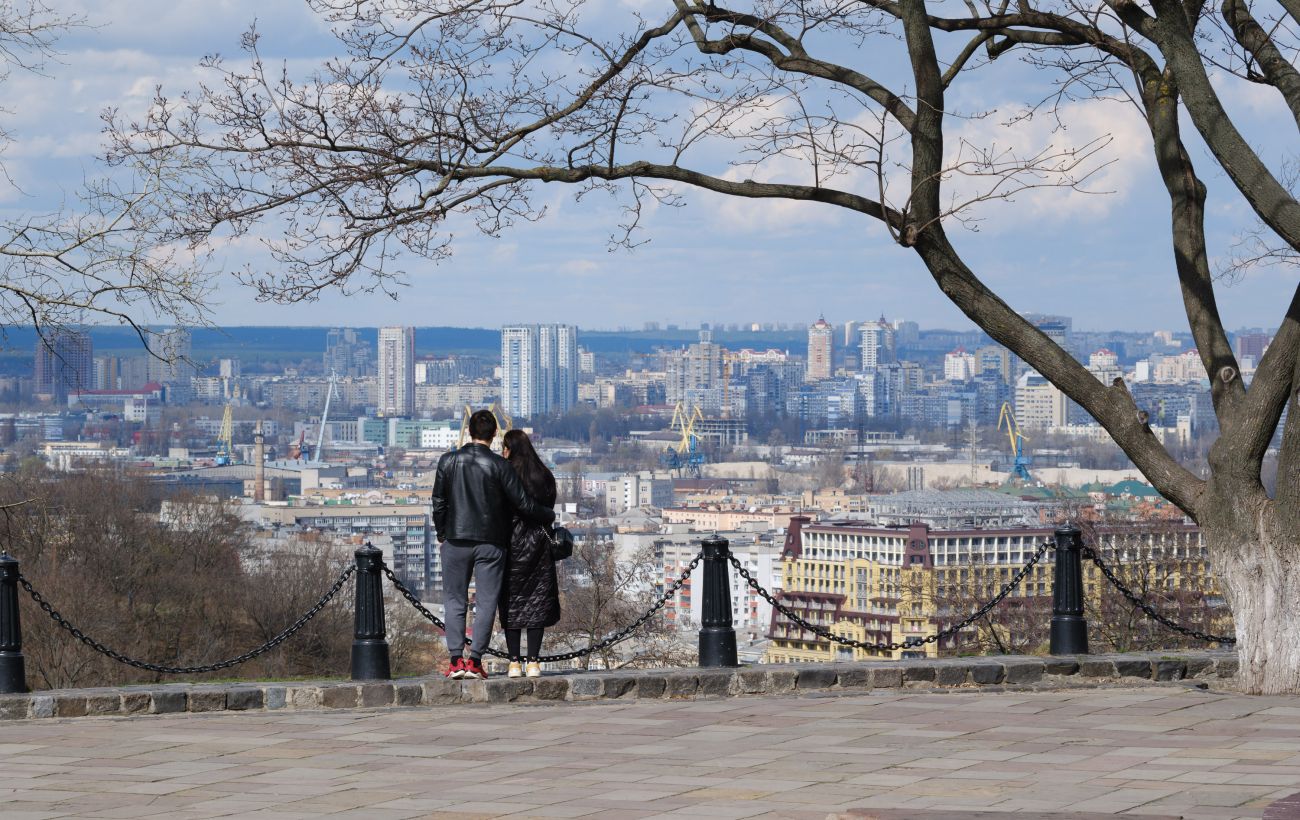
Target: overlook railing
[717,637]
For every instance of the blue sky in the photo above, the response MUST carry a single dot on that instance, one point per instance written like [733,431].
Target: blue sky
[1104,259]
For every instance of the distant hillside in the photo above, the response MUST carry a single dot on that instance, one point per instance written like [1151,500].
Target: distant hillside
[257,343]
[291,345]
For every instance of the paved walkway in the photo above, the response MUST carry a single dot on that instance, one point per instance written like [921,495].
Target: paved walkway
[1164,751]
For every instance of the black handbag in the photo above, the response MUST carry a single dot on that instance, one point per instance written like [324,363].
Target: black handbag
[561,542]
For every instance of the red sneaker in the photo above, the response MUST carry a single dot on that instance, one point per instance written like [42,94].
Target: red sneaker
[474,669]
[456,668]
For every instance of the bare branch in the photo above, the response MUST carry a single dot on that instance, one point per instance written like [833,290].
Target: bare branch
[1277,69]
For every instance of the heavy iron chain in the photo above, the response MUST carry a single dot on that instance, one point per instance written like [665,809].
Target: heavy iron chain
[1151,612]
[604,643]
[907,643]
[189,670]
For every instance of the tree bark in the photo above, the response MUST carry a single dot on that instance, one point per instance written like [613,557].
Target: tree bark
[1258,563]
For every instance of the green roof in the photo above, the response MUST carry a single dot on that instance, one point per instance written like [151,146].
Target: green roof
[1133,487]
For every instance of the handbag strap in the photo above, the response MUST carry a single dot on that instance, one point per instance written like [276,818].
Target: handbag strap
[549,532]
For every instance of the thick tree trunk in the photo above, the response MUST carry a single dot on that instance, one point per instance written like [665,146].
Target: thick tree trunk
[1258,566]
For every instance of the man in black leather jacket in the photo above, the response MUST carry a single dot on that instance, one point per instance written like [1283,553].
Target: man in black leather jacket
[476,496]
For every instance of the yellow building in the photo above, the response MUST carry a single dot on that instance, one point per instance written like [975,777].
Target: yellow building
[888,584]
[730,517]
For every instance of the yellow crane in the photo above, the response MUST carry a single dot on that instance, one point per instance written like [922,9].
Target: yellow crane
[226,439]
[686,453]
[504,424]
[1021,465]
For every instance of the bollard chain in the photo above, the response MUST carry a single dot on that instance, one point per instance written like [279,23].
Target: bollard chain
[187,670]
[604,643]
[1151,612]
[906,643]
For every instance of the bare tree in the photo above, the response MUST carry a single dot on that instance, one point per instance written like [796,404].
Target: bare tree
[184,591]
[1019,625]
[601,595]
[446,110]
[105,255]
[829,472]
[281,584]
[1156,559]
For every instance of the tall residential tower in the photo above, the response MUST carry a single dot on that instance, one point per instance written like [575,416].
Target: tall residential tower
[396,371]
[65,361]
[820,337]
[539,369]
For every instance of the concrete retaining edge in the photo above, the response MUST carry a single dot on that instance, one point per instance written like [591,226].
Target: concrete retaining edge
[957,674]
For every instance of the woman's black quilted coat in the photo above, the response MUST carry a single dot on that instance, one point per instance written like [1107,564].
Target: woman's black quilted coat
[531,597]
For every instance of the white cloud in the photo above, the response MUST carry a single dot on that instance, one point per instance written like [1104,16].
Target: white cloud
[1119,164]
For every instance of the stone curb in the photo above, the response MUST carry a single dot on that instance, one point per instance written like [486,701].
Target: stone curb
[960,674]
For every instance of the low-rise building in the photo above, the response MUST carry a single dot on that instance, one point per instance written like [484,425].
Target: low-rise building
[409,525]
[642,489]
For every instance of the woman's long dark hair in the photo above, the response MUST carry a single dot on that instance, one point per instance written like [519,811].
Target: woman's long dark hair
[538,479]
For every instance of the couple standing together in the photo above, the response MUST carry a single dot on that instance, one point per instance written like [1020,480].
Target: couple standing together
[492,515]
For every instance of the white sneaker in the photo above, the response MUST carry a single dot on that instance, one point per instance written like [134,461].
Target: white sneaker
[534,669]
[515,670]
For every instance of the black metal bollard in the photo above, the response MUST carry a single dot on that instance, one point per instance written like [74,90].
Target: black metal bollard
[13,672]
[717,635]
[370,644]
[1069,629]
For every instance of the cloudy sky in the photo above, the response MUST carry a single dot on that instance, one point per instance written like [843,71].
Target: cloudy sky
[1103,259]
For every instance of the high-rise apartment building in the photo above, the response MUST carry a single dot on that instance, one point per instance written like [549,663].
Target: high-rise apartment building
[169,362]
[820,338]
[539,369]
[1039,403]
[346,353]
[906,333]
[108,373]
[1104,364]
[65,363]
[690,373]
[396,371]
[1056,328]
[994,359]
[1252,345]
[959,366]
[877,343]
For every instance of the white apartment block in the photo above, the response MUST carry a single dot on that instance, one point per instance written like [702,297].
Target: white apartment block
[440,438]
[643,489]
[396,371]
[877,343]
[1039,404]
[539,369]
[750,613]
[1185,367]
[959,366]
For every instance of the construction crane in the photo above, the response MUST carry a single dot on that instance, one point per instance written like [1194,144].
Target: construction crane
[1020,467]
[504,424]
[226,439]
[325,416]
[686,453]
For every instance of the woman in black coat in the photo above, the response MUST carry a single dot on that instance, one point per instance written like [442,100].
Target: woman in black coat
[530,599]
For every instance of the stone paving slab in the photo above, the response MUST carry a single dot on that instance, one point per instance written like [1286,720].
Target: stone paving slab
[1080,754]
